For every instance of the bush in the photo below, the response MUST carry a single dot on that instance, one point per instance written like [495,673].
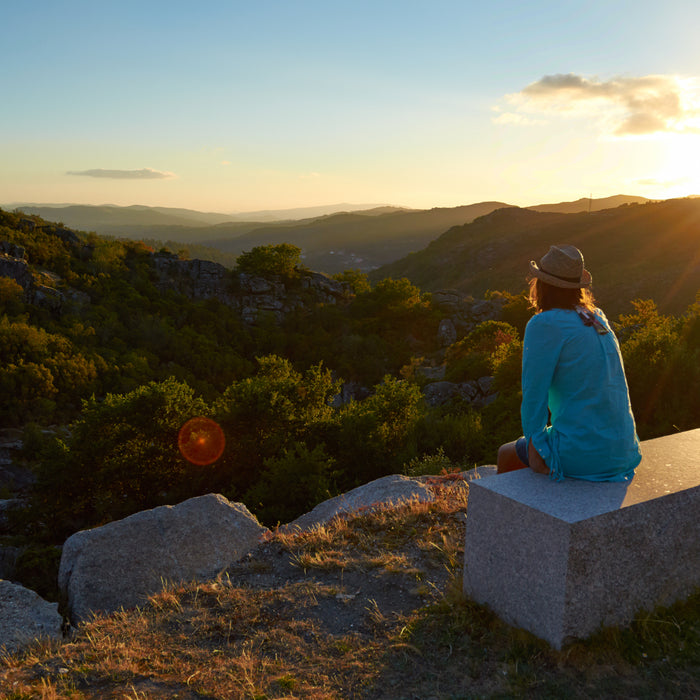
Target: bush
[291,484]
[377,436]
[458,434]
[121,456]
[662,360]
[267,414]
[479,353]
[37,569]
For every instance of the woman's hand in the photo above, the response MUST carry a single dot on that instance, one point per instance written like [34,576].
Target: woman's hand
[537,464]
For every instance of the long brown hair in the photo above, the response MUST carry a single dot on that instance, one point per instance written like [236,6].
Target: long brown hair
[544,297]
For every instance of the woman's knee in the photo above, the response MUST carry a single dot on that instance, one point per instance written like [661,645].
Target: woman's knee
[507,459]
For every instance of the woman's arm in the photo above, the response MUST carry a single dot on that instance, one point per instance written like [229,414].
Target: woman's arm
[541,349]
[536,463]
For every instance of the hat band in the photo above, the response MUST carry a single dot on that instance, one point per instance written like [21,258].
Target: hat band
[559,277]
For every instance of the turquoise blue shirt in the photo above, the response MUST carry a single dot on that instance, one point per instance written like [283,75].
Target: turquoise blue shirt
[577,373]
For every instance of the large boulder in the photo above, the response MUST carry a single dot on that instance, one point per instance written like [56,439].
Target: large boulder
[24,617]
[16,269]
[386,491]
[120,564]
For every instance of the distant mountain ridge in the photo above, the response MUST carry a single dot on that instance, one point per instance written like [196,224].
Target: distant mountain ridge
[80,216]
[355,240]
[102,219]
[586,204]
[331,242]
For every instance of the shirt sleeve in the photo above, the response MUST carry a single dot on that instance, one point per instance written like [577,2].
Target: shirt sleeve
[541,349]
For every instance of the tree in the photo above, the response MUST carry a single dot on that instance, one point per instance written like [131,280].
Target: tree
[358,281]
[283,259]
[121,456]
[267,414]
[376,436]
[11,295]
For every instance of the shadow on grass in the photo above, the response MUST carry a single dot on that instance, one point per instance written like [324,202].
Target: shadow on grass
[459,649]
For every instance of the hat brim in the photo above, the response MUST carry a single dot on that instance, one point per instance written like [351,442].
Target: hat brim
[585,281]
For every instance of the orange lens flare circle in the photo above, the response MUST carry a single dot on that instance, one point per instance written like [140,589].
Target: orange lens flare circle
[201,441]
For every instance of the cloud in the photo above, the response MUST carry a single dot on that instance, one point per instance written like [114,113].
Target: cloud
[655,182]
[622,106]
[143,174]
[515,118]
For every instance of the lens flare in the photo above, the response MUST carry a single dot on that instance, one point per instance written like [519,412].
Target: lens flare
[201,441]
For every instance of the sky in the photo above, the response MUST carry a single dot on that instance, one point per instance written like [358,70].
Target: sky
[269,104]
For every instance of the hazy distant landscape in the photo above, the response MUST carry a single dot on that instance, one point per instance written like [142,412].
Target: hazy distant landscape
[636,248]
[332,238]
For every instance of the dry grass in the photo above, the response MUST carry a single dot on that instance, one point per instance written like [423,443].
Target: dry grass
[368,607]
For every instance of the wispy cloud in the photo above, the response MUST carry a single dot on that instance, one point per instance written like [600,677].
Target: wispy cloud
[622,106]
[515,118]
[656,182]
[143,174]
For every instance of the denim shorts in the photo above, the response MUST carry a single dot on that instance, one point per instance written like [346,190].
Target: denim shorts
[521,451]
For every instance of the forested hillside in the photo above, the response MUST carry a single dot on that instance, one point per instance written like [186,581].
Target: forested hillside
[102,348]
[647,250]
[329,243]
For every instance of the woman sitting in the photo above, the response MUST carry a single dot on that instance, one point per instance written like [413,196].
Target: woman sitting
[572,370]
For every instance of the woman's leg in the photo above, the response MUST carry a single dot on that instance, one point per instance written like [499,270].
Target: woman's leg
[508,460]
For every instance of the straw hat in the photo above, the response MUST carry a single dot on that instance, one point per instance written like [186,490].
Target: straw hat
[562,266]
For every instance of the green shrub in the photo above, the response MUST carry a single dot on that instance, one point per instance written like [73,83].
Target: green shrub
[121,456]
[477,355]
[37,568]
[264,415]
[453,431]
[377,436]
[291,484]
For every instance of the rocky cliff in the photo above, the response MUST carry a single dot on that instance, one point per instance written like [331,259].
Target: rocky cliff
[251,295]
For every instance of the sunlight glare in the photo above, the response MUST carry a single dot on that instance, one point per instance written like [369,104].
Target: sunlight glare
[679,172]
[201,441]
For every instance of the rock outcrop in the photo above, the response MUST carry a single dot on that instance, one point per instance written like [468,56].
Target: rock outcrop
[386,491]
[24,617]
[120,564]
[479,393]
[253,296]
[462,313]
[15,267]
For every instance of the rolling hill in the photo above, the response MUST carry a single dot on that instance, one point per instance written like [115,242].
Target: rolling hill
[649,250]
[330,243]
[109,219]
[360,240]
[586,204]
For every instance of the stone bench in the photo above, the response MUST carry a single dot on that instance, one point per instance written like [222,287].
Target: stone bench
[562,559]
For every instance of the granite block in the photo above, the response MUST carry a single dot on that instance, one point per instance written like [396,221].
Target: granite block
[562,559]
